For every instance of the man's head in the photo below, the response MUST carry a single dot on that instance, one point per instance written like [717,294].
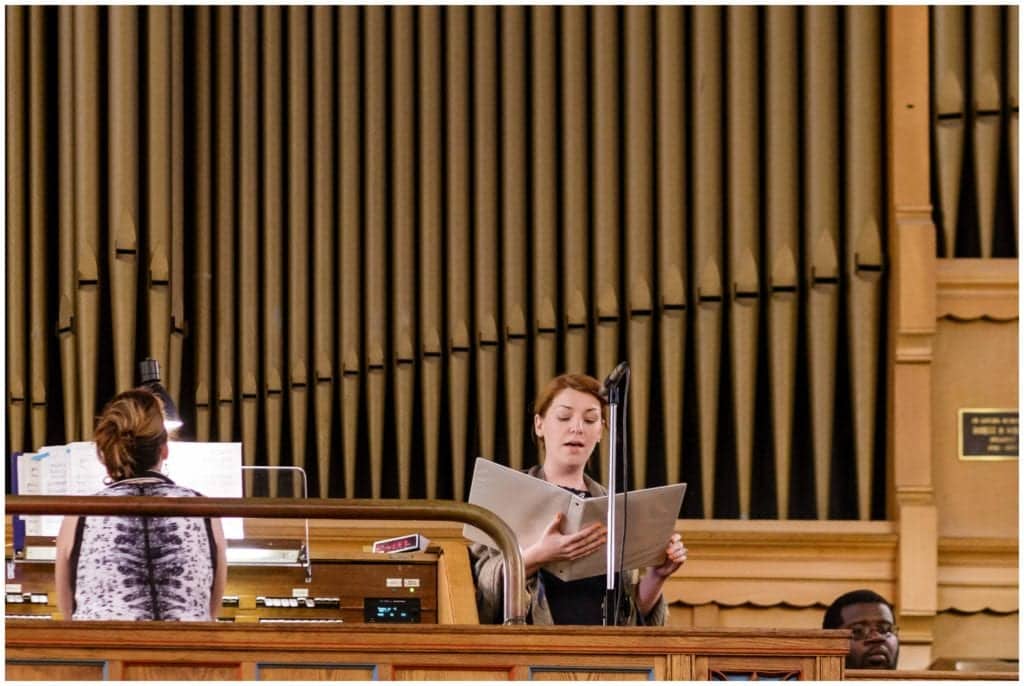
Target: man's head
[875,642]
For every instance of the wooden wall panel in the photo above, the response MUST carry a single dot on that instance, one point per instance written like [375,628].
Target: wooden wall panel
[180,671]
[46,670]
[324,672]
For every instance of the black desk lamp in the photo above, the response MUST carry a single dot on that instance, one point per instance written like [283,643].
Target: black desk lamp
[149,371]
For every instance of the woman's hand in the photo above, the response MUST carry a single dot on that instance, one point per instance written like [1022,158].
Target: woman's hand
[651,583]
[675,557]
[553,545]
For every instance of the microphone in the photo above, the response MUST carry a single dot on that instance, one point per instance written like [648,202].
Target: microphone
[614,381]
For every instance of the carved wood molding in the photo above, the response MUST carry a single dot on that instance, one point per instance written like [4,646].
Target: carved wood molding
[978,574]
[972,289]
[792,563]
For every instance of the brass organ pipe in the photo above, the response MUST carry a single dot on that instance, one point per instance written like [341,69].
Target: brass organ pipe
[376,246]
[707,219]
[544,212]
[297,231]
[157,263]
[514,256]
[431,282]
[485,225]
[864,144]
[821,226]
[247,262]
[986,82]
[204,224]
[224,230]
[300,508]
[606,165]
[576,208]
[178,327]
[17,320]
[1012,96]
[87,211]
[948,81]
[744,229]
[38,247]
[324,266]
[670,158]
[350,192]
[403,227]
[457,201]
[639,228]
[273,241]
[781,225]
[66,321]
[124,169]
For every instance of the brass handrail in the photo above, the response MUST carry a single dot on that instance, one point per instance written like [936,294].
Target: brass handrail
[298,508]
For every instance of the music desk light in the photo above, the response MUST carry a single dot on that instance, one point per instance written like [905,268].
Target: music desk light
[149,371]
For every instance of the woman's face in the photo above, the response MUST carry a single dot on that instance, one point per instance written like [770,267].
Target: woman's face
[570,428]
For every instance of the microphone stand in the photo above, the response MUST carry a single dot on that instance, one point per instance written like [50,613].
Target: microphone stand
[610,608]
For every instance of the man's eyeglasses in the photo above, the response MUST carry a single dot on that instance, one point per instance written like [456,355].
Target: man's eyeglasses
[860,632]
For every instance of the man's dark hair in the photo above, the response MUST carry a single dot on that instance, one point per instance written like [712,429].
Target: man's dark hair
[833,615]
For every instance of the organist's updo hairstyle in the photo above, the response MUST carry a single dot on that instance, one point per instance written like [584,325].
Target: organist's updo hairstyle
[130,434]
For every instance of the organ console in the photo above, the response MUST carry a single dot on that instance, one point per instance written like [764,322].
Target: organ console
[268,579]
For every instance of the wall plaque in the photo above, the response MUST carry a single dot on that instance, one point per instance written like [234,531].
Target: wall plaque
[988,434]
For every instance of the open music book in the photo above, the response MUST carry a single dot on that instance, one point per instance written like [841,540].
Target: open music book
[213,469]
[528,505]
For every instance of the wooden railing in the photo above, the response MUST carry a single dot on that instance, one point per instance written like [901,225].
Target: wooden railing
[293,508]
[140,651]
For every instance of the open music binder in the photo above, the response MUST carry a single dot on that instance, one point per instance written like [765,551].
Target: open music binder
[528,505]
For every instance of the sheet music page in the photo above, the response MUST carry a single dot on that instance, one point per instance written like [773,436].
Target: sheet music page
[652,518]
[30,483]
[54,481]
[213,469]
[527,504]
[86,474]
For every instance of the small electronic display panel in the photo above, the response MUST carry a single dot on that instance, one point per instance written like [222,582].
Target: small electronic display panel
[391,610]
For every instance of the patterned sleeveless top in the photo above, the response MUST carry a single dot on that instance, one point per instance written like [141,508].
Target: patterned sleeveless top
[143,568]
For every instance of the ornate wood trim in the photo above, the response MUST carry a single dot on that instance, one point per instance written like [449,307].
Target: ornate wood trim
[971,289]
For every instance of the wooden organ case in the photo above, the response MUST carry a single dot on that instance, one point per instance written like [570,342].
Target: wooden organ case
[273,577]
